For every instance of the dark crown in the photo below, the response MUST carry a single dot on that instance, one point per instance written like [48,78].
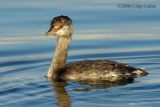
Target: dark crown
[61,18]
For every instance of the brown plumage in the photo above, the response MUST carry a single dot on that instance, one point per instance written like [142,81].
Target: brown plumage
[99,70]
[86,70]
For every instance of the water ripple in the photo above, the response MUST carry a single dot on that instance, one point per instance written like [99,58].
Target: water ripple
[102,31]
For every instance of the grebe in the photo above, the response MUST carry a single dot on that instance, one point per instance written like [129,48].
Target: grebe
[87,70]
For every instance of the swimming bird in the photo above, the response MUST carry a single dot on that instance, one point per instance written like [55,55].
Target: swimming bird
[85,70]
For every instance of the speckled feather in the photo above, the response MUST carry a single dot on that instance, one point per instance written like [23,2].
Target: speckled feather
[99,70]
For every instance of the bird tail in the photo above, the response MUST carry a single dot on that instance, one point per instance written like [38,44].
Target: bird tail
[139,72]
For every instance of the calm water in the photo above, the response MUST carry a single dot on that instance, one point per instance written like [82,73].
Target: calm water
[122,30]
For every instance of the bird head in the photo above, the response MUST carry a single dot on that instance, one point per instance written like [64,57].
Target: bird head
[61,26]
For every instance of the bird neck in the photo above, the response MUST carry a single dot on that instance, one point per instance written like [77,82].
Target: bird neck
[60,57]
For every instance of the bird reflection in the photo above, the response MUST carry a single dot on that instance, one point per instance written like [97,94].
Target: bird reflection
[63,99]
[62,96]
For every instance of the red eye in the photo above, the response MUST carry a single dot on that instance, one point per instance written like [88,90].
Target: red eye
[58,27]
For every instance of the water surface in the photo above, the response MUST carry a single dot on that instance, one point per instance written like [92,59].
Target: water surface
[103,30]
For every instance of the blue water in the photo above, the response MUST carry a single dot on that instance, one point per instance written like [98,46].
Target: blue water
[125,31]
